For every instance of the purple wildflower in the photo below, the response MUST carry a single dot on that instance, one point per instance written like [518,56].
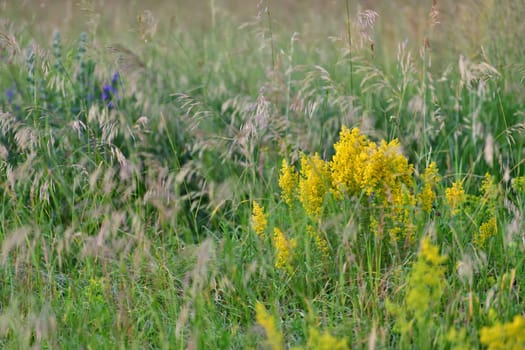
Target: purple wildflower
[10,95]
[115,79]
[107,91]
[110,91]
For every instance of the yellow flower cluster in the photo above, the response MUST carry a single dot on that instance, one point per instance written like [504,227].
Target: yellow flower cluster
[284,248]
[399,212]
[508,336]
[458,339]
[455,196]
[288,180]
[426,281]
[386,170]
[486,230]
[314,184]
[349,160]
[358,166]
[430,179]
[518,184]
[430,253]
[490,192]
[320,241]
[259,219]
[266,320]
[324,341]
[316,339]
[361,165]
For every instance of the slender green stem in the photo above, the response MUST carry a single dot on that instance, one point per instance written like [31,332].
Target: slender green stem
[349,33]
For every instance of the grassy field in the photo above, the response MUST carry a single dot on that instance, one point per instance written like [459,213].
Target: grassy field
[230,174]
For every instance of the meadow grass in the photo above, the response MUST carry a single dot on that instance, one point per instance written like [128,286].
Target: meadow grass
[230,174]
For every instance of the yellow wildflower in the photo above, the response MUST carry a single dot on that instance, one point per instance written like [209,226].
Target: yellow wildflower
[490,192]
[314,184]
[386,170]
[259,219]
[455,196]
[430,252]
[505,336]
[266,320]
[486,230]
[400,209]
[320,241]
[361,165]
[284,248]
[426,281]
[459,339]
[288,182]
[324,341]
[518,184]
[425,285]
[349,160]
[428,195]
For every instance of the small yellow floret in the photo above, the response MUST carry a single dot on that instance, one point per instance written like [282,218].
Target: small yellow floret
[486,230]
[324,341]
[259,219]
[505,336]
[314,184]
[284,248]
[267,321]
[288,182]
[455,196]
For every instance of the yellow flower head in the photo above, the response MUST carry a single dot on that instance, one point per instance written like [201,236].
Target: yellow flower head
[314,184]
[324,341]
[430,252]
[386,170]
[505,336]
[349,160]
[259,219]
[486,230]
[284,248]
[361,165]
[320,241]
[288,182]
[455,196]
[426,281]
[518,184]
[400,205]
[430,179]
[458,339]
[267,321]
[490,192]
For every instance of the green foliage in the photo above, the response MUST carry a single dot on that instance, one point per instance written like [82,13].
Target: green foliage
[289,175]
